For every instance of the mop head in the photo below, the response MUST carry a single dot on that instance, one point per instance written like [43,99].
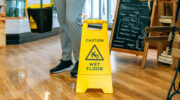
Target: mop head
[165,58]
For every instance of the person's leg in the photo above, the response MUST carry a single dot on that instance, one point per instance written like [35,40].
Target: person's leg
[73,19]
[65,39]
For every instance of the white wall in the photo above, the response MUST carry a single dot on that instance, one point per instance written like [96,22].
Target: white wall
[1,1]
[14,26]
[30,2]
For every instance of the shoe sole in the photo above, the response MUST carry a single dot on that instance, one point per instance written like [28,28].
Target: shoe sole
[64,70]
[74,76]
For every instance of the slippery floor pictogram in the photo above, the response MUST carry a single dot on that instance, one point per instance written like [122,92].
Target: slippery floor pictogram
[94,54]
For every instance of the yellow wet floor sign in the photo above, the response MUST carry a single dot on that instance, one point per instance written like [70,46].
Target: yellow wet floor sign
[94,63]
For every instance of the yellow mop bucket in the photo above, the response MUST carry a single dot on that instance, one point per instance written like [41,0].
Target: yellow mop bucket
[40,17]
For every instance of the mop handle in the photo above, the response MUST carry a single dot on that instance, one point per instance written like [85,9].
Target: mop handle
[174,28]
[41,2]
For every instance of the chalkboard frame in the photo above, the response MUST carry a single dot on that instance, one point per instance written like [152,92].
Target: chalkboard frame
[144,53]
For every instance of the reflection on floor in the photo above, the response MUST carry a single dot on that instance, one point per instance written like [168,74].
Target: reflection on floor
[24,75]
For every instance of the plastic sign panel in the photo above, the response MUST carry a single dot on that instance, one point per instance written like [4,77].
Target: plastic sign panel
[94,63]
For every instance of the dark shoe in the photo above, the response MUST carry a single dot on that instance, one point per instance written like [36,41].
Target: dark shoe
[75,70]
[63,66]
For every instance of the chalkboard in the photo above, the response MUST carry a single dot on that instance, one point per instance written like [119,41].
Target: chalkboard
[132,18]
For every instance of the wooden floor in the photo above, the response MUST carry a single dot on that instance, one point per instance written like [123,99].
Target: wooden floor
[24,75]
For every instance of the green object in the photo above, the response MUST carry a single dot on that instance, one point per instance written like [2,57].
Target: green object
[11,12]
[16,12]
